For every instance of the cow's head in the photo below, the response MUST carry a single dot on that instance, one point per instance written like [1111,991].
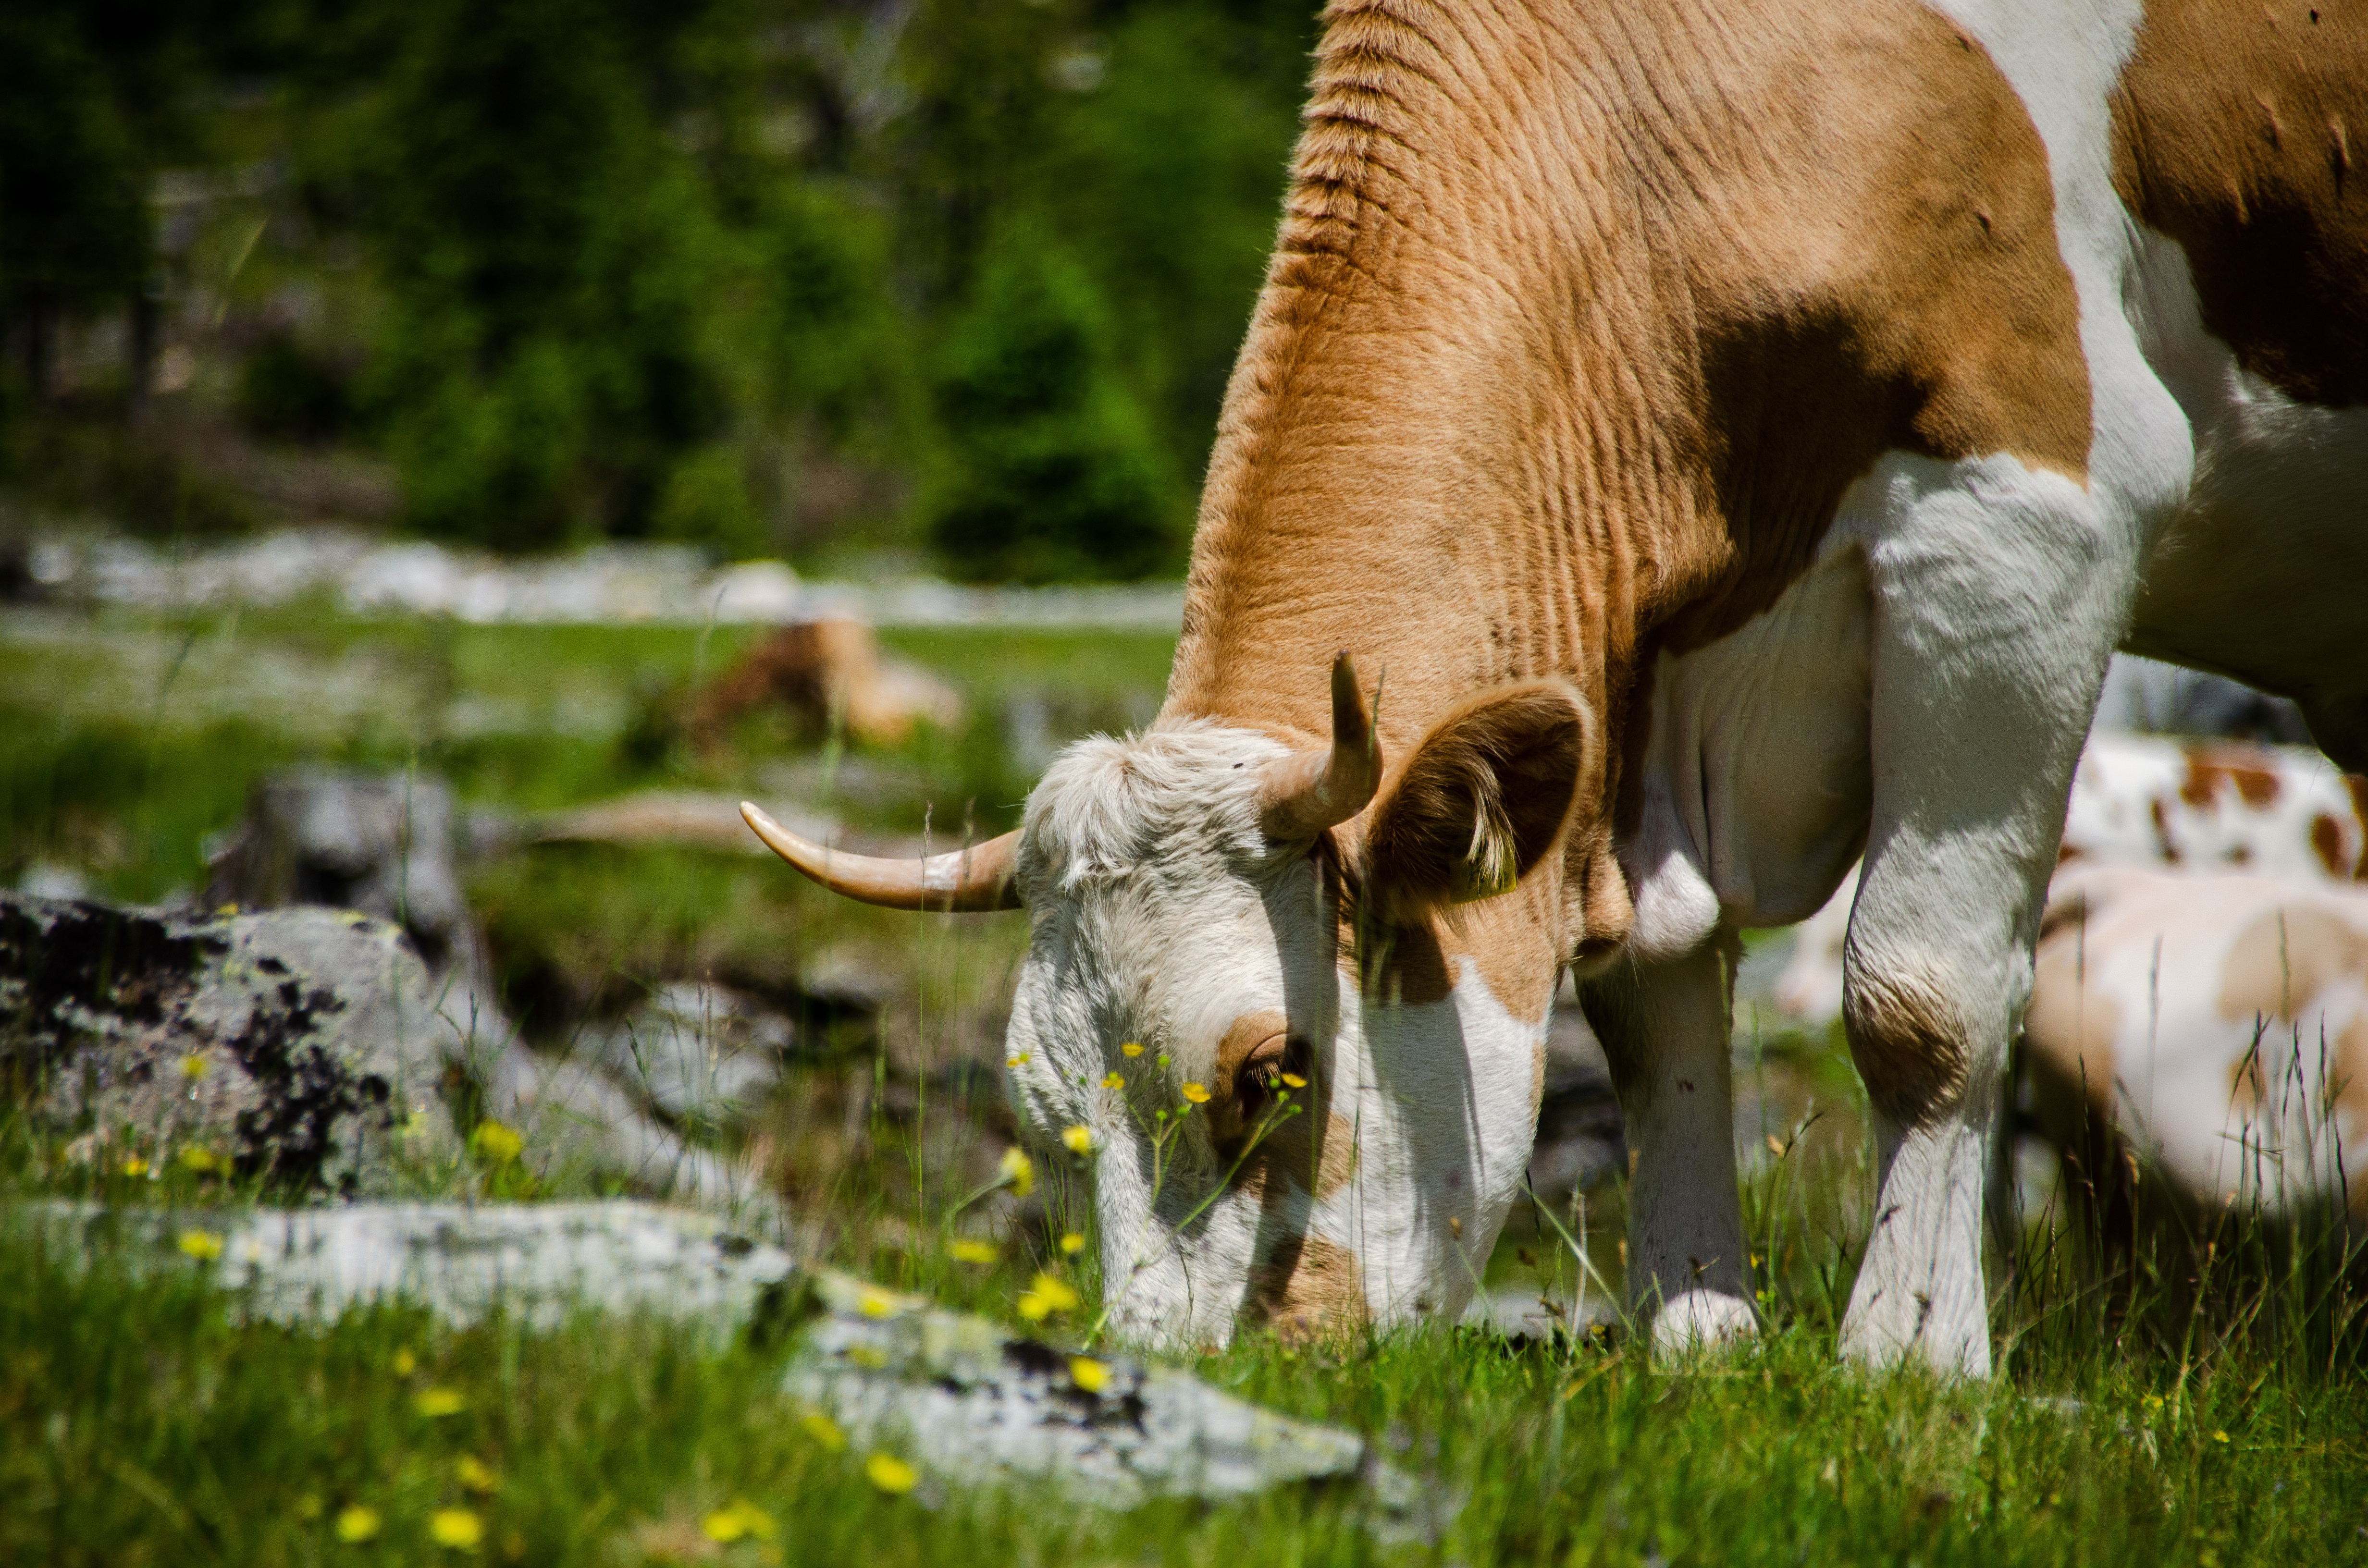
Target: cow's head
[1264,982]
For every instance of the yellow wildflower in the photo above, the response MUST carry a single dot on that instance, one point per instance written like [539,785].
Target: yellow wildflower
[2219,1437]
[1089,1374]
[890,1474]
[823,1430]
[1130,1049]
[436,1402]
[1113,1081]
[1015,1063]
[1197,1094]
[405,1362]
[456,1527]
[474,1474]
[1078,1140]
[133,1165]
[199,1160]
[967,1251]
[1044,1296]
[357,1523]
[735,1521]
[876,1304]
[193,1067]
[496,1143]
[1294,1081]
[1072,1244]
[1018,1170]
[204,1246]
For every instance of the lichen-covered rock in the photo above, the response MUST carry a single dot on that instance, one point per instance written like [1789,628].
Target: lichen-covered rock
[305,1047]
[538,1263]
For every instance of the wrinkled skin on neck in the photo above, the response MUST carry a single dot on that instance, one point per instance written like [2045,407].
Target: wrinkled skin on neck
[1163,916]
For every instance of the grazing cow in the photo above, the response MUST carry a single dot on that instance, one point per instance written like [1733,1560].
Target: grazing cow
[1731,438]
[2146,801]
[2217,1023]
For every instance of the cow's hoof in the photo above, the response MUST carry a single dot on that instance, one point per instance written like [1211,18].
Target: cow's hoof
[1701,1320]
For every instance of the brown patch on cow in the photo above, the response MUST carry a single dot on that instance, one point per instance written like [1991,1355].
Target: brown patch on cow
[2253,771]
[1581,321]
[2070,1026]
[1309,1288]
[2162,831]
[2326,843]
[2350,1074]
[2285,958]
[2232,128]
[2358,787]
[1909,1042]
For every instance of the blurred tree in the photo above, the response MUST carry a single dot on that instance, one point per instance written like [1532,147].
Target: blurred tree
[1053,471]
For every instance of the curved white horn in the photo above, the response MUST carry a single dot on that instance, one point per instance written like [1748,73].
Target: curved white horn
[1307,794]
[978,877]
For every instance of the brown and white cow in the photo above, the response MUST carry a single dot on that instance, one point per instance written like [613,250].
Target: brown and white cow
[1730,437]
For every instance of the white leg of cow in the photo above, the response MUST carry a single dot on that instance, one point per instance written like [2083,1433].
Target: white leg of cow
[1664,1028]
[1998,592]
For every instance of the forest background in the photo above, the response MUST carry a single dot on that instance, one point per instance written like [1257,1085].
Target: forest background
[943,284]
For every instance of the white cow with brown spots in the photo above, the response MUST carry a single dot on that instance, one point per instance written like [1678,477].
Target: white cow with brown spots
[2217,1025]
[1729,437]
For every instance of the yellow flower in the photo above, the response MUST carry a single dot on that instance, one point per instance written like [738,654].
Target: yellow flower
[2154,1401]
[436,1402]
[133,1165]
[1072,1244]
[193,1067]
[496,1143]
[1044,1296]
[823,1430]
[456,1527]
[1015,1063]
[1089,1374]
[474,1474]
[357,1523]
[1196,1093]
[735,1521]
[405,1362]
[1113,1081]
[2219,1437]
[890,1474]
[968,1251]
[1130,1049]
[204,1246]
[199,1160]
[1078,1140]
[1018,1170]
[1294,1081]
[876,1304]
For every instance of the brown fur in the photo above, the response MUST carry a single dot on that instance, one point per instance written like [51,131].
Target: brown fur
[2208,766]
[1582,318]
[2235,130]
[2281,960]
[1908,1043]
[1308,1288]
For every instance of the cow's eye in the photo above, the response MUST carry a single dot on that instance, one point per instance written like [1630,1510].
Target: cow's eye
[1276,1066]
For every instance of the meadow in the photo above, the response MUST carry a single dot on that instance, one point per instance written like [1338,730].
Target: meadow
[2156,1403]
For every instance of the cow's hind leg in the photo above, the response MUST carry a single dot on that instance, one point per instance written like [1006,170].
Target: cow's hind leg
[1664,1028]
[1998,593]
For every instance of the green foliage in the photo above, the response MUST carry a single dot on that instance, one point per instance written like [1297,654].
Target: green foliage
[1054,473]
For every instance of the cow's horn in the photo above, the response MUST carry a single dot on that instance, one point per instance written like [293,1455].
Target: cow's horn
[967,879]
[1307,794]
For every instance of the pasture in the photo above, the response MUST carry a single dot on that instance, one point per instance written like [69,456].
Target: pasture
[2166,1405]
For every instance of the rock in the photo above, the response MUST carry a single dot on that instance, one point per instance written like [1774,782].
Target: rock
[1581,1138]
[974,1405]
[538,1263]
[383,844]
[696,1051]
[304,1047]
[828,673]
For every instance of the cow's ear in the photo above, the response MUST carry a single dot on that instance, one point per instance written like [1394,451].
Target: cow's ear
[1487,795]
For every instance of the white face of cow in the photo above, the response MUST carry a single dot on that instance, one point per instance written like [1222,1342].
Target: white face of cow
[1355,1154]
[1310,1081]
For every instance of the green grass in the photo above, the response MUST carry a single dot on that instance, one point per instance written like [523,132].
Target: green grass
[2165,1407]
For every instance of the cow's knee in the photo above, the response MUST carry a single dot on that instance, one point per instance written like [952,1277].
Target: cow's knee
[1910,1038]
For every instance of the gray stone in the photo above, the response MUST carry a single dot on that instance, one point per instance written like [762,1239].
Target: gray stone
[304,1047]
[698,1051]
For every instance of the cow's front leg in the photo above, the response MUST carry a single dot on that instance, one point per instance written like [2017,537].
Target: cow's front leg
[1664,1028]
[1997,595]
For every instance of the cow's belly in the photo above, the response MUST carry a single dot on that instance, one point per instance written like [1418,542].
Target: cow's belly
[1755,778]
[2259,574]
